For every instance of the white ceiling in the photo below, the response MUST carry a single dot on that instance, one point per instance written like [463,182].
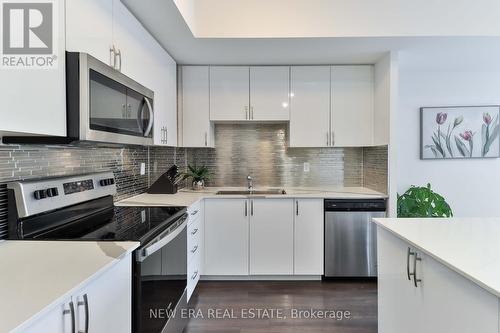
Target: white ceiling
[340,18]
[163,19]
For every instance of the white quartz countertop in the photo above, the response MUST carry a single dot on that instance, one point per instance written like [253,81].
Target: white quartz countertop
[35,276]
[188,197]
[469,246]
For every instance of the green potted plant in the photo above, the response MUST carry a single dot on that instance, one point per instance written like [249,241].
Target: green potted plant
[198,175]
[422,202]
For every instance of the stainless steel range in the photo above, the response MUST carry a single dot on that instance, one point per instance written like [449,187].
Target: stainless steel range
[81,208]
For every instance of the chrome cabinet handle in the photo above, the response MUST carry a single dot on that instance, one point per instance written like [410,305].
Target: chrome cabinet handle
[247,117]
[206,141]
[118,54]
[72,312]
[194,249]
[194,275]
[251,207]
[332,140]
[408,255]
[297,207]
[415,279]
[327,138]
[194,212]
[194,231]
[246,208]
[86,304]
[112,56]
[251,112]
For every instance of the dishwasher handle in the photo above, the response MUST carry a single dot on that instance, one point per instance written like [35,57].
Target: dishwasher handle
[355,205]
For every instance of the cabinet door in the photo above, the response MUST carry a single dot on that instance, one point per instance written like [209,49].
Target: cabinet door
[163,75]
[109,300]
[229,93]
[271,236]
[57,320]
[226,237]
[309,237]
[93,36]
[34,100]
[196,128]
[133,42]
[451,303]
[310,106]
[269,93]
[399,302]
[352,105]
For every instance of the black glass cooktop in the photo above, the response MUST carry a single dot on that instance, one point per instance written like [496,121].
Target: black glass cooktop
[135,223]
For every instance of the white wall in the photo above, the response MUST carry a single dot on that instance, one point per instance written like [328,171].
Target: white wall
[472,187]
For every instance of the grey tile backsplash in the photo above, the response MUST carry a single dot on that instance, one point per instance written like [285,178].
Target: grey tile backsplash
[257,149]
[262,151]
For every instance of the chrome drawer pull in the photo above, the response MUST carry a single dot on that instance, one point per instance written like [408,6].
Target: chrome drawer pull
[194,275]
[195,212]
[415,279]
[194,249]
[408,255]
[194,231]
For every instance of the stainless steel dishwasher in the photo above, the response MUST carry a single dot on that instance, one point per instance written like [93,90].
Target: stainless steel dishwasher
[350,237]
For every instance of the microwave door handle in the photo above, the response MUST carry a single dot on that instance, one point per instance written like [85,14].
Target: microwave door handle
[148,250]
[139,118]
[151,117]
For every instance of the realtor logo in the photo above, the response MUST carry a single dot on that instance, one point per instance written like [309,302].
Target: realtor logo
[28,34]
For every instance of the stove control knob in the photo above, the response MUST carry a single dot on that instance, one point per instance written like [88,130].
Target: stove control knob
[52,192]
[40,194]
[107,181]
[103,182]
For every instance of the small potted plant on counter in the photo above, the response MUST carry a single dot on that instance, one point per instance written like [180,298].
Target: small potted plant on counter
[198,175]
[422,202]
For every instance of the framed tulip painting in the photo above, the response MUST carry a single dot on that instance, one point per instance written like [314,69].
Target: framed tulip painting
[459,132]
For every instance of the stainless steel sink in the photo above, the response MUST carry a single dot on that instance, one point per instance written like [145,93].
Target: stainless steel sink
[252,192]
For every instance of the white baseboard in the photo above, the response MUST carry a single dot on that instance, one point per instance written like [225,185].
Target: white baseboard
[260,277]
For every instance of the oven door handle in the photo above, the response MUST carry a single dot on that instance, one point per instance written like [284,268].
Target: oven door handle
[148,250]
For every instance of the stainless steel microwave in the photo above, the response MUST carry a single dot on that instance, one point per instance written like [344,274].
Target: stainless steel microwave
[104,105]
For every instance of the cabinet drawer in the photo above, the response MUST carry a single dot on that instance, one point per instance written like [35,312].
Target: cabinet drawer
[193,275]
[194,246]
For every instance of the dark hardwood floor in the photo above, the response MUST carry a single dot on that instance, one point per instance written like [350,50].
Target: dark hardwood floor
[214,302]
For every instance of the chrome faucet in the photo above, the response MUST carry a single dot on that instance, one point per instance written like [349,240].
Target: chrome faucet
[250,183]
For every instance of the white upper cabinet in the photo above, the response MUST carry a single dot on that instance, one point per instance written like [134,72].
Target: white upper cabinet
[352,106]
[310,106]
[197,131]
[308,237]
[271,236]
[93,36]
[34,100]
[229,89]
[269,93]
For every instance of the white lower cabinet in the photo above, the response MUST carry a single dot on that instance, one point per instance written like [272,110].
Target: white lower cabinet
[103,305]
[195,247]
[263,236]
[271,236]
[440,301]
[308,237]
[226,237]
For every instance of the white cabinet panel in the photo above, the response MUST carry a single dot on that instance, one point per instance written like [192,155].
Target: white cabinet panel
[229,93]
[442,301]
[309,237]
[310,106]
[34,100]
[226,237]
[109,300]
[352,92]
[197,130]
[89,28]
[269,93]
[58,320]
[271,236]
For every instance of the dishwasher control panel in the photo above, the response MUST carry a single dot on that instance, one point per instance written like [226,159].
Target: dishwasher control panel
[363,205]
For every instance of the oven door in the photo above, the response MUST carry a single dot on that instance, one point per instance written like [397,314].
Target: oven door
[160,276]
[112,107]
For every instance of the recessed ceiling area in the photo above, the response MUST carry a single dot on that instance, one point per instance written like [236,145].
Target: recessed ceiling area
[339,18]
[164,20]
